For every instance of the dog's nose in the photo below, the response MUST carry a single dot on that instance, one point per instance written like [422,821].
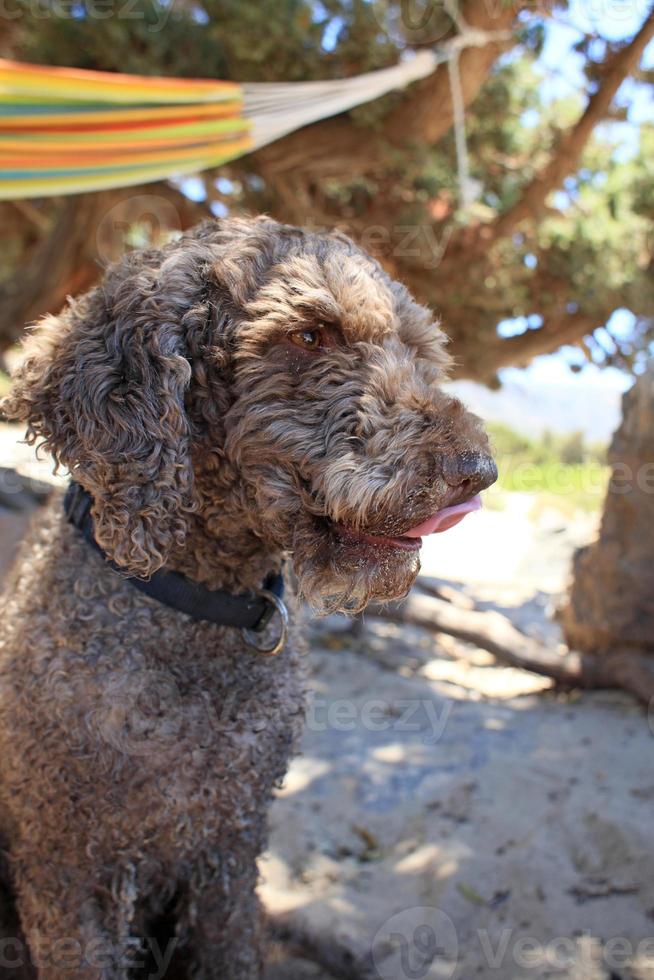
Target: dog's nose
[468,473]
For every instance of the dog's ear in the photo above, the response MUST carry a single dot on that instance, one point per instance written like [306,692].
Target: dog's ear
[103,386]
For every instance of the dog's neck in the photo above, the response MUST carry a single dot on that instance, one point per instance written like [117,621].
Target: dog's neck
[224,561]
[221,550]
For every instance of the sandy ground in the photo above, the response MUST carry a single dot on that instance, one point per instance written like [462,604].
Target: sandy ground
[451,818]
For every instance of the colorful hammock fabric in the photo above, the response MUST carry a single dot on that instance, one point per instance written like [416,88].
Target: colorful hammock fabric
[66,130]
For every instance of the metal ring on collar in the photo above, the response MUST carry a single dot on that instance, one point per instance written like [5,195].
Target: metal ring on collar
[250,636]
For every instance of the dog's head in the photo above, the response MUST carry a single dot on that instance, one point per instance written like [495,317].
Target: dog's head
[263,382]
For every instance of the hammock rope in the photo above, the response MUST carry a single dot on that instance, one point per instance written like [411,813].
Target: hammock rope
[67,130]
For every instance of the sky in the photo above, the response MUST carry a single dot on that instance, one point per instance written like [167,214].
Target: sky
[554,368]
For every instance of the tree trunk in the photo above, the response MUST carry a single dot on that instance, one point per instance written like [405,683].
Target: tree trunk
[88,232]
[612,598]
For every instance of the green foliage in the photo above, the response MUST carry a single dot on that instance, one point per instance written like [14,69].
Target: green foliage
[591,254]
[269,40]
[569,448]
[563,470]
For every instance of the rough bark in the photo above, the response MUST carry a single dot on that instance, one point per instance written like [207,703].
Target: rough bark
[612,597]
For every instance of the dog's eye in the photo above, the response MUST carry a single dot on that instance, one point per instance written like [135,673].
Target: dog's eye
[307,339]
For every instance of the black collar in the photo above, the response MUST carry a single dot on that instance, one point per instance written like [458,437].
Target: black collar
[246,612]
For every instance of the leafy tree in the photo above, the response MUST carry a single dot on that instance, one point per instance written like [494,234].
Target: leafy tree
[560,233]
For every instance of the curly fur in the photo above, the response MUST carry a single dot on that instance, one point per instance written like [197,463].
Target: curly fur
[139,748]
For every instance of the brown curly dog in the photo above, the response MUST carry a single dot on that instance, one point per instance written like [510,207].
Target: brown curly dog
[251,393]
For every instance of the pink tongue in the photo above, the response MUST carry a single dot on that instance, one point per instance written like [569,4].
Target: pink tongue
[444,519]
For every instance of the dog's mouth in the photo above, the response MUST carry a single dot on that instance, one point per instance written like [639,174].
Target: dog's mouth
[411,539]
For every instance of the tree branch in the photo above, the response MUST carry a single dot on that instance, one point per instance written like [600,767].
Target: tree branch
[490,630]
[66,260]
[494,632]
[55,269]
[532,202]
[339,148]
[520,350]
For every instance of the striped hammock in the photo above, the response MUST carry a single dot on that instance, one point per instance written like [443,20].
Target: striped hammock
[65,130]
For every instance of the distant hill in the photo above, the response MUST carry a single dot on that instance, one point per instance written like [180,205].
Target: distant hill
[532,406]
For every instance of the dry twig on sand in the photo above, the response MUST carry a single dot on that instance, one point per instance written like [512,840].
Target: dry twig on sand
[622,669]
